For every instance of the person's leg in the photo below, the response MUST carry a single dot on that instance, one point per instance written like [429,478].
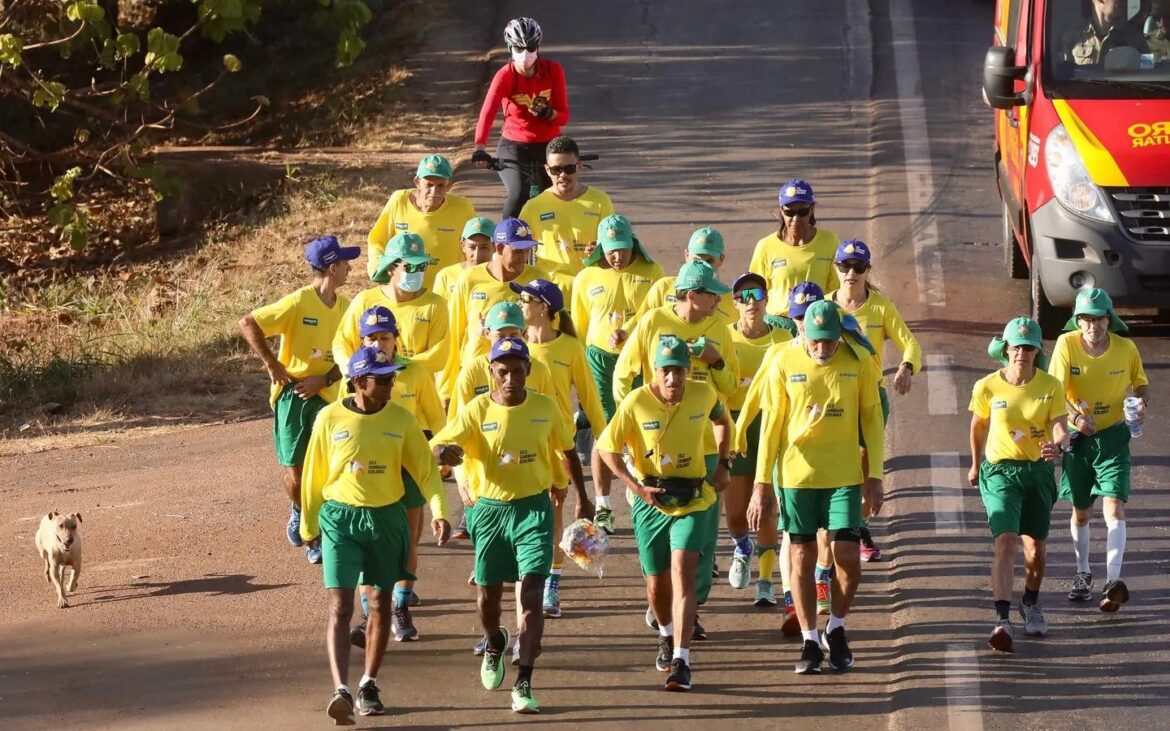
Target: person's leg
[488,603]
[292,484]
[684,608]
[337,634]
[1035,558]
[377,630]
[735,502]
[847,576]
[1113,470]
[551,599]
[1076,484]
[515,186]
[601,366]
[531,621]
[1113,510]
[1003,565]
[824,572]
[804,597]
[577,480]
[414,518]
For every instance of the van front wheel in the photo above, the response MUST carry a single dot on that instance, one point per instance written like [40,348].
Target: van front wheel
[1050,318]
[1012,255]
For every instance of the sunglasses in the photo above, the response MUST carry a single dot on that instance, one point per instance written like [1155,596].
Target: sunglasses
[413,268]
[1091,318]
[530,300]
[570,169]
[754,294]
[1026,348]
[796,212]
[531,47]
[381,380]
[857,267]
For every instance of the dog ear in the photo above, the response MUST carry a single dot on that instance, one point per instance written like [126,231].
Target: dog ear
[77,516]
[52,514]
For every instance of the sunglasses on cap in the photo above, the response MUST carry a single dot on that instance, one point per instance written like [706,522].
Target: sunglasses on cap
[796,212]
[413,268]
[531,47]
[570,169]
[751,294]
[852,265]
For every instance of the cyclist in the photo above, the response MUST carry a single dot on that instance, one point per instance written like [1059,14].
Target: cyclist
[798,251]
[531,92]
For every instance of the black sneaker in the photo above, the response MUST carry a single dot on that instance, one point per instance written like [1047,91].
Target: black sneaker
[368,702]
[357,635]
[840,656]
[340,708]
[811,657]
[1082,587]
[680,676]
[1116,593]
[697,631]
[665,653]
[403,625]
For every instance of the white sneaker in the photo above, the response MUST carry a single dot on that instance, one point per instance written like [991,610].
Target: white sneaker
[1034,623]
[740,573]
[651,621]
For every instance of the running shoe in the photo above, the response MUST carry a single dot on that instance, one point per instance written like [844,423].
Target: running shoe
[516,652]
[840,656]
[714,570]
[680,676]
[1001,636]
[665,654]
[522,700]
[357,635]
[415,600]
[697,631]
[869,551]
[340,708]
[791,625]
[740,573]
[552,599]
[1034,623]
[765,593]
[313,551]
[651,620]
[479,647]
[603,518]
[811,658]
[1082,587]
[293,530]
[1116,594]
[460,532]
[404,630]
[492,669]
[368,702]
[824,598]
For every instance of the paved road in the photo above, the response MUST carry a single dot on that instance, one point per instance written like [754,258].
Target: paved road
[193,613]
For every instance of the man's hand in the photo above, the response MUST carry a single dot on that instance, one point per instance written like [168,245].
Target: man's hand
[872,497]
[710,355]
[646,493]
[481,159]
[442,531]
[277,373]
[1050,451]
[584,508]
[973,475]
[617,337]
[721,480]
[464,495]
[589,247]
[902,380]
[448,454]
[308,387]
[1085,424]
[540,108]
[762,507]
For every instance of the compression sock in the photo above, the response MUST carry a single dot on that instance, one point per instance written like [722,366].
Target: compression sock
[524,674]
[1114,549]
[767,556]
[823,573]
[743,544]
[401,596]
[1080,536]
[683,653]
[1002,608]
[834,623]
[1031,596]
[602,501]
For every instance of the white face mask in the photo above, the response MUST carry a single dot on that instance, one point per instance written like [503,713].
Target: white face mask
[411,282]
[524,58]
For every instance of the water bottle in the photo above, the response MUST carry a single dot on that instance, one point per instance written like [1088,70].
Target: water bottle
[1130,409]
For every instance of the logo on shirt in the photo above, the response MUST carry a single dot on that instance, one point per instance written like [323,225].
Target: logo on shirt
[401,226]
[651,425]
[479,296]
[341,435]
[999,404]
[482,390]
[797,378]
[777,263]
[309,321]
[1075,370]
[446,230]
[596,291]
[538,420]
[356,467]
[1117,373]
[315,354]
[391,434]
[491,425]
[548,216]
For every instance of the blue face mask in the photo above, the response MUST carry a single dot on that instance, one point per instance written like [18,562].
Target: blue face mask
[411,282]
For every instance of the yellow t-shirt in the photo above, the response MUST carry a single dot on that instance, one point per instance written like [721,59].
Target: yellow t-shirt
[305,326]
[666,441]
[565,357]
[510,452]
[445,280]
[422,327]
[414,390]
[751,355]
[605,300]
[357,459]
[880,319]
[662,293]
[1097,386]
[1019,416]
[440,230]
[785,266]
[563,228]
[637,357]
[753,399]
[815,417]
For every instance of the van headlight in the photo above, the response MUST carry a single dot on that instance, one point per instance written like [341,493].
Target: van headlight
[1070,180]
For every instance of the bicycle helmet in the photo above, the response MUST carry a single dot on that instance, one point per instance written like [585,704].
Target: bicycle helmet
[521,32]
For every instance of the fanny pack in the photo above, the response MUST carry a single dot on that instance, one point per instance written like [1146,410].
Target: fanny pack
[677,491]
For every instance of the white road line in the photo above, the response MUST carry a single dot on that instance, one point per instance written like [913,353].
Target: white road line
[947,486]
[964,701]
[942,398]
[916,145]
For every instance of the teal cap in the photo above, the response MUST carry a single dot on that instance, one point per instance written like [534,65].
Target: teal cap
[672,351]
[698,274]
[478,226]
[707,242]
[434,166]
[822,321]
[504,314]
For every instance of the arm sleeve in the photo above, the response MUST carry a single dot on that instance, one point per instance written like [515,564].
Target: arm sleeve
[979,405]
[380,234]
[579,306]
[873,427]
[347,339]
[753,402]
[613,437]
[1137,371]
[655,297]
[771,429]
[462,431]
[490,108]
[726,381]
[759,265]
[274,319]
[430,408]
[897,331]
[457,332]
[420,463]
[628,366]
[462,391]
[314,474]
[436,356]
[586,389]
[560,96]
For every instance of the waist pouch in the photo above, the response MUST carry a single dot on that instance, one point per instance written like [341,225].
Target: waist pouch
[677,491]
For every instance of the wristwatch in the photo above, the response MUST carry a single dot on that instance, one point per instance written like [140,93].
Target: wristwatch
[330,380]
[718,365]
[725,461]
[909,365]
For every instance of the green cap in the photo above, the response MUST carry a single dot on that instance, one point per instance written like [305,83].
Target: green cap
[504,314]
[1095,302]
[706,241]
[822,321]
[406,246]
[615,232]
[434,166]
[672,351]
[478,226]
[1019,331]
[699,274]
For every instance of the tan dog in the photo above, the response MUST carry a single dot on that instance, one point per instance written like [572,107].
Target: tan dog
[59,544]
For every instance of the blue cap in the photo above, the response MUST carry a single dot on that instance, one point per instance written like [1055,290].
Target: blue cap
[543,290]
[376,320]
[371,361]
[505,347]
[852,249]
[803,295]
[515,233]
[326,250]
[796,191]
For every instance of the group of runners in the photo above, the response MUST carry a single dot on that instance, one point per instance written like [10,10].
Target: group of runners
[506,357]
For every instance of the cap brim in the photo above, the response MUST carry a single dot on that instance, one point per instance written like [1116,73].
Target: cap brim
[383,370]
[1116,324]
[349,253]
[518,288]
[676,362]
[812,332]
[599,252]
[749,277]
[510,354]
[522,244]
[718,288]
[704,251]
[378,329]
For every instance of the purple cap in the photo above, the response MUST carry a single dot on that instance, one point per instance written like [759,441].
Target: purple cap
[748,279]
[326,250]
[376,320]
[371,361]
[505,347]
[515,233]
[796,191]
[543,290]
[852,249]
[803,295]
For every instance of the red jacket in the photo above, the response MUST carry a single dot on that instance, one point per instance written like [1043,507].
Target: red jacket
[514,93]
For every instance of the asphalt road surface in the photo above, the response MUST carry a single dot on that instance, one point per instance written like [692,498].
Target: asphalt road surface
[193,612]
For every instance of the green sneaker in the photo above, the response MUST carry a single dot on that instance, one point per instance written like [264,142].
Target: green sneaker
[522,700]
[603,518]
[491,671]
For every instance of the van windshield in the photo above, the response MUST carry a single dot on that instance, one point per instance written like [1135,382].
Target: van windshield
[1107,49]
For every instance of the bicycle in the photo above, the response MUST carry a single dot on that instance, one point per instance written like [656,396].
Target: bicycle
[532,171]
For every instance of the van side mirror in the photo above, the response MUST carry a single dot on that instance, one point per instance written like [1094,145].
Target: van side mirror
[1000,75]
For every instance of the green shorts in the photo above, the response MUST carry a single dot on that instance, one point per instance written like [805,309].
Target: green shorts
[292,425]
[413,497]
[884,398]
[1018,497]
[512,538]
[808,509]
[746,465]
[602,364]
[659,534]
[1099,466]
[364,545]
